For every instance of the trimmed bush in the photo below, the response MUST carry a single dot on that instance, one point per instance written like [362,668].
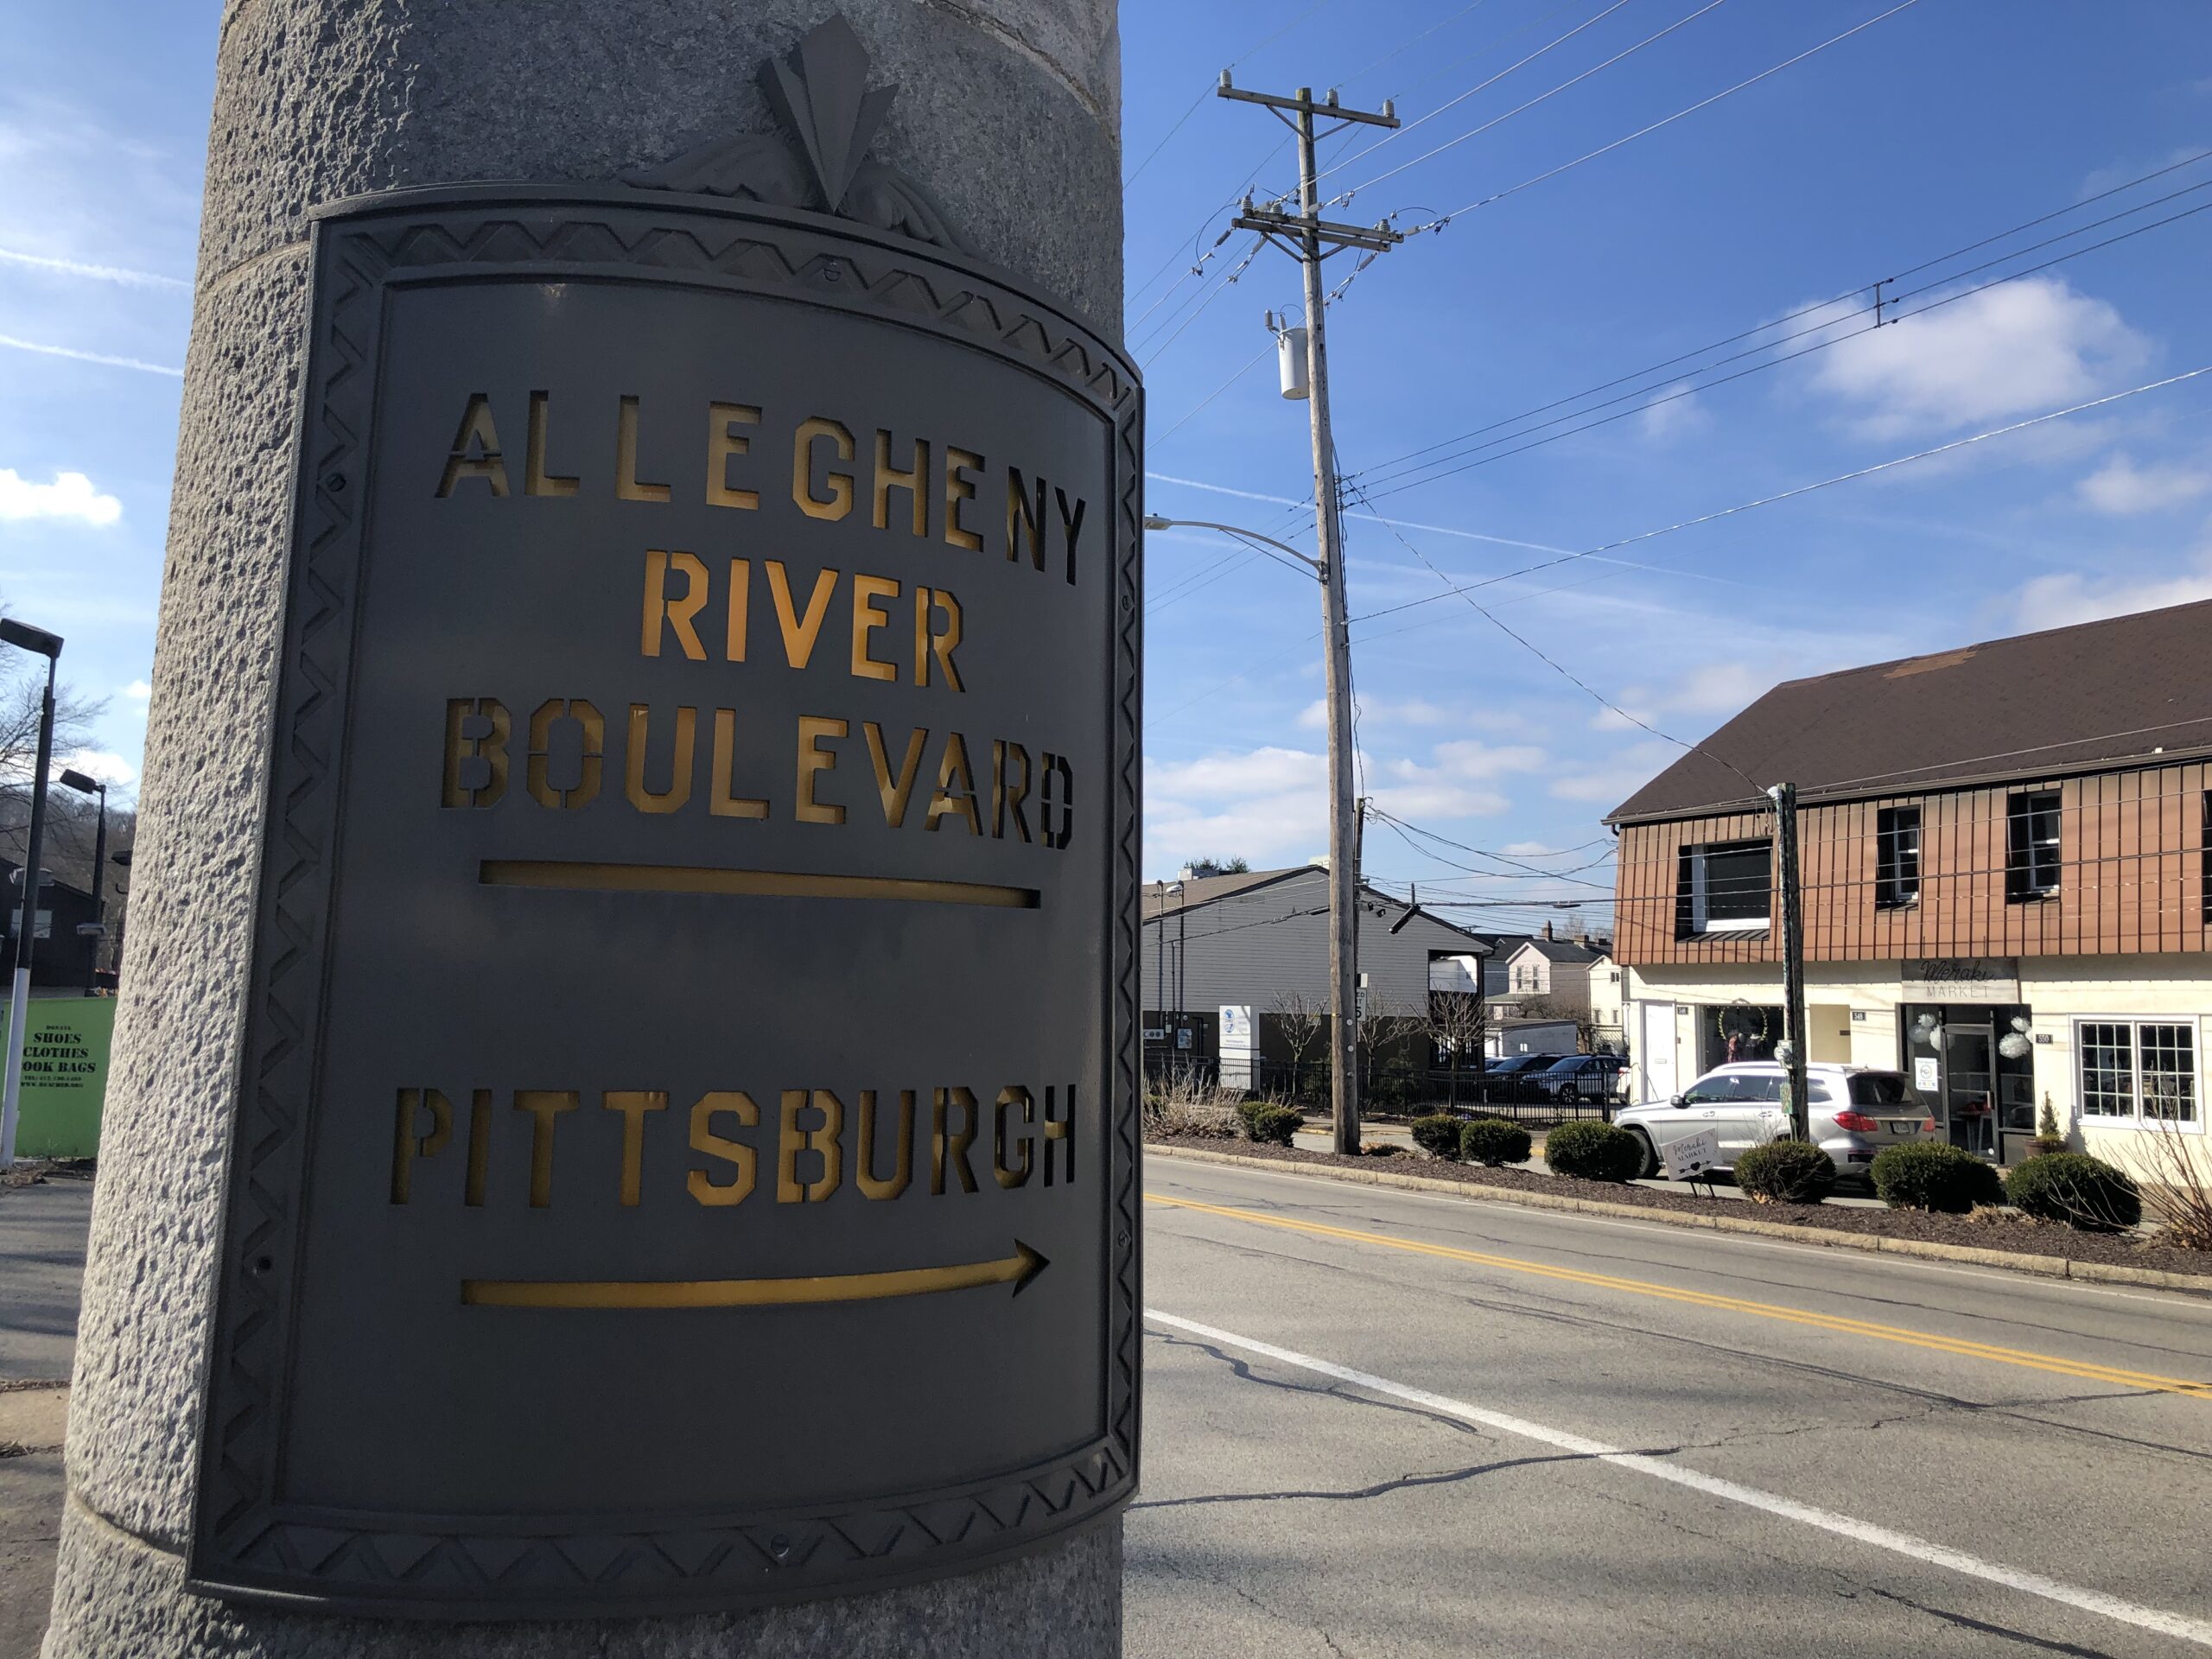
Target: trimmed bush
[1275,1123]
[1493,1141]
[1247,1112]
[1438,1133]
[1593,1151]
[1785,1172]
[2081,1190]
[1933,1175]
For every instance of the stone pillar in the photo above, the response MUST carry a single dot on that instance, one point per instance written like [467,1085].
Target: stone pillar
[1009,112]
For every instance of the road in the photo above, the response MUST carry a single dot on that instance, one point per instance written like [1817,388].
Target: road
[1572,1435]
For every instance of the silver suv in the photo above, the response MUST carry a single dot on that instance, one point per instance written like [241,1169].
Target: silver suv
[1855,1112]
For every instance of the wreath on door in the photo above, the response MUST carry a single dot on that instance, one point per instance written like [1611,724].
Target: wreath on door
[1742,1026]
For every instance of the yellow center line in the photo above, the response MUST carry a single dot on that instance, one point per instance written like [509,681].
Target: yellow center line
[2144,1379]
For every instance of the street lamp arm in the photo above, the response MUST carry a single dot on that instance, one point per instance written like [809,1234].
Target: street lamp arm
[1307,559]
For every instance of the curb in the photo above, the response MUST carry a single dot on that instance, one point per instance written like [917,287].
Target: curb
[2044,1267]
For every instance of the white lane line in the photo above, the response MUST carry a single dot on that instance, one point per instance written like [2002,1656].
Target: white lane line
[1902,1543]
[2173,1302]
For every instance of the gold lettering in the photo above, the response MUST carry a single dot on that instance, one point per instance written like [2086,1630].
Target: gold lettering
[741,588]
[944,645]
[1050,768]
[1070,526]
[535,772]
[680,766]
[1011,1175]
[952,768]
[1058,1137]
[535,480]
[476,428]
[1019,515]
[407,1146]
[662,615]
[902,1168]
[799,634]
[722,443]
[791,1140]
[813,760]
[888,478]
[839,502]
[704,1140]
[895,793]
[947,1146]
[959,487]
[633,1104]
[543,1105]
[719,802]
[1007,792]
[703,1186]
[627,487]
[867,617]
[479,1145]
[489,746]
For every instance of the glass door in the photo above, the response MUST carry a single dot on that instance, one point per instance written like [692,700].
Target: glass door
[1969,1092]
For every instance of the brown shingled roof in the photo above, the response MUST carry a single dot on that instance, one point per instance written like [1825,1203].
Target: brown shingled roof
[2091,696]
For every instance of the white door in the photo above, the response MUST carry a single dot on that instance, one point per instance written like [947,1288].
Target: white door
[1655,1052]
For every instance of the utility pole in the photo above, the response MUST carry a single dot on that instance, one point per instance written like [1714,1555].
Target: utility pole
[1784,796]
[1309,239]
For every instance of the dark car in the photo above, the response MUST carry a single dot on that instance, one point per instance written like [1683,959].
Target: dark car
[1520,1066]
[1583,1077]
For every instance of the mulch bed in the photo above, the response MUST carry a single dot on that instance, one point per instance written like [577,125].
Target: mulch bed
[2003,1230]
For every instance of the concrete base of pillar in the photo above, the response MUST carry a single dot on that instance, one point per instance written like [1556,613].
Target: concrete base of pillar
[121,1595]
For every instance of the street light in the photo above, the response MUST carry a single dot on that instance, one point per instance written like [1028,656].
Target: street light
[84,785]
[39,643]
[1343,875]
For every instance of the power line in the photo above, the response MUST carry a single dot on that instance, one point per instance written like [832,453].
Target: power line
[1669,120]
[1761,329]
[1250,52]
[1475,133]
[1952,298]
[1801,489]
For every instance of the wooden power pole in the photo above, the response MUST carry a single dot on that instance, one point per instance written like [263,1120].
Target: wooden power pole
[1784,796]
[1309,239]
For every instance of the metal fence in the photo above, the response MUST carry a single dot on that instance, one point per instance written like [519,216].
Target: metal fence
[1520,1099]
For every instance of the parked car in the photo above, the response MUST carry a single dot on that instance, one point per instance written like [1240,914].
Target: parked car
[1520,1066]
[1582,1076]
[1855,1111]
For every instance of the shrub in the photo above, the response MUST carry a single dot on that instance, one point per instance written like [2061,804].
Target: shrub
[1248,1110]
[1275,1123]
[2073,1187]
[1493,1141]
[1932,1175]
[1438,1133]
[1785,1172]
[1594,1151]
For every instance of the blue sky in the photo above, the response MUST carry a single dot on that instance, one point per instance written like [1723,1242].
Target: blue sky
[1947,122]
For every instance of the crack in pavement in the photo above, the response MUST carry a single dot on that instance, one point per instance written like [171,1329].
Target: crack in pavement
[1379,1489]
[1334,1391]
[1192,1576]
[1986,1628]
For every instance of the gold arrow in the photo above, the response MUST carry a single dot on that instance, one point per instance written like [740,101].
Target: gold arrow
[1018,1269]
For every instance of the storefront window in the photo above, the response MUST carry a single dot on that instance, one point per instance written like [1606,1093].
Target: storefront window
[2125,1062]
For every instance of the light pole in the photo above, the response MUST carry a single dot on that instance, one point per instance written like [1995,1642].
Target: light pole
[1343,874]
[84,785]
[40,643]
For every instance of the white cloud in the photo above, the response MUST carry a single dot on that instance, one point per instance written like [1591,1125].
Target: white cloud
[2013,350]
[139,690]
[1383,711]
[121,274]
[1610,782]
[1676,415]
[2121,487]
[110,769]
[70,496]
[2056,602]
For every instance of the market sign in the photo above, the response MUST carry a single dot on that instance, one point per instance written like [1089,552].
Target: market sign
[65,1074]
[1960,979]
[685,1148]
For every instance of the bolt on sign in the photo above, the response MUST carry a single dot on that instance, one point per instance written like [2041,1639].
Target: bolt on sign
[685,1152]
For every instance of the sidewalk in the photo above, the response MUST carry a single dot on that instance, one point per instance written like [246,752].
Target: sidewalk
[43,1267]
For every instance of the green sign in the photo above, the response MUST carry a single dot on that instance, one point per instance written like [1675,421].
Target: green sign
[65,1074]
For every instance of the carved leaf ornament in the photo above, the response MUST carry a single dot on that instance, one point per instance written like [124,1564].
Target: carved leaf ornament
[828,116]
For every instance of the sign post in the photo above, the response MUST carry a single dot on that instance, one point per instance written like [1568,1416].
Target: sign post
[681,1142]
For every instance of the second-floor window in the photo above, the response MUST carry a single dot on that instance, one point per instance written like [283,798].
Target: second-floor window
[1726,887]
[2032,845]
[1896,856]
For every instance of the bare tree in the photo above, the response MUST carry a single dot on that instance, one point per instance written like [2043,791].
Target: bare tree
[1546,1007]
[23,690]
[1458,1023]
[2177,1173]
[1301,1020]
[1385,1028]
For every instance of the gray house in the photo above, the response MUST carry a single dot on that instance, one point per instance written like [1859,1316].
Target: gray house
[1259,940]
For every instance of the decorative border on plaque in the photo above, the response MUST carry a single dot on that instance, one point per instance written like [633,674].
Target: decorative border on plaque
[245,1543]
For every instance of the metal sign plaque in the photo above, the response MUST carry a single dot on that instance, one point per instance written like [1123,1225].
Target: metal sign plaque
[685,1154]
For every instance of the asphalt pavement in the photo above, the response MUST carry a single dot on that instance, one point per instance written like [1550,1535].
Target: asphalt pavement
[41,1272]
[1383,1423]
